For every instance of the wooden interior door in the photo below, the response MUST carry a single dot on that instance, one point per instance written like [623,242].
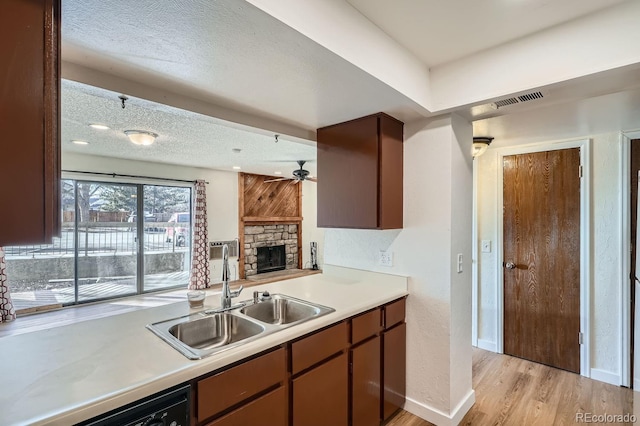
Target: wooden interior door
[541,262]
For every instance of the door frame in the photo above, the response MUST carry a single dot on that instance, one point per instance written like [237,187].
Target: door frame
[625,265]
[585,238]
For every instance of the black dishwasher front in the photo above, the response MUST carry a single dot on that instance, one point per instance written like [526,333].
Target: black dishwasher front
[169,408]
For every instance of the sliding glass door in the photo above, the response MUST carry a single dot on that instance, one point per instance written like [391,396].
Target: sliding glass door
[117,239]
[107,254]
[167,236]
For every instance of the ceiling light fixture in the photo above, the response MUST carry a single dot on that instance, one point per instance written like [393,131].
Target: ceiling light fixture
[236,167]
[141,137]
[278,173]
[98,126]
[480,145]
[77,142]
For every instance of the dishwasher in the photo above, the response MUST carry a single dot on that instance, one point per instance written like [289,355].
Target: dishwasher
[168,408]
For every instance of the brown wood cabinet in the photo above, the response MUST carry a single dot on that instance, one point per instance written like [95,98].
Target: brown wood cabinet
[394,359]
[29,121]
[269,409]
[320,377]
[360,173]
[240,384]
[365,383]
[320,397]
[349,373]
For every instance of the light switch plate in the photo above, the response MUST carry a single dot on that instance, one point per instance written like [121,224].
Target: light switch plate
[459,263]
[386,258]
[486,246]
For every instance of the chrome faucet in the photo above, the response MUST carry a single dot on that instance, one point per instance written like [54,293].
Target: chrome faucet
[227,294]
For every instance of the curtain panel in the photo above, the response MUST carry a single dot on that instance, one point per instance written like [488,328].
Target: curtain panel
[199,277]
[7,311]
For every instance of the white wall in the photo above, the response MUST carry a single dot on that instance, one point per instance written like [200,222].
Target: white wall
[547,125]
[437,226]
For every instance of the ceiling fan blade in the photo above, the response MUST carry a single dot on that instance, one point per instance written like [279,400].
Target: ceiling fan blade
[312,179]
[277,180]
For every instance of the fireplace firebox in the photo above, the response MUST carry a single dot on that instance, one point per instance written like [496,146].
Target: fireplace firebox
[271,259]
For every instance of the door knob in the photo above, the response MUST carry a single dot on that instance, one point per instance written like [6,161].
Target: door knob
[510,265]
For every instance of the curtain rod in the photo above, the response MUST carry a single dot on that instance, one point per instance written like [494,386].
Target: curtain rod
[113,175]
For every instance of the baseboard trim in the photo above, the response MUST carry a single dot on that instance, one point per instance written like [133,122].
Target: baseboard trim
[487,345]
[605,376]
[438,417]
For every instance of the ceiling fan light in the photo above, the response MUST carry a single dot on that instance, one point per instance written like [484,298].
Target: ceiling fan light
[480,145]
[141,137]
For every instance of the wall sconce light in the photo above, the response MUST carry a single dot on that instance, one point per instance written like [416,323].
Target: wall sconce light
[141,137]
[480,145]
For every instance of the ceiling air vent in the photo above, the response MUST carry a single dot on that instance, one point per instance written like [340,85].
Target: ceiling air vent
[505,102]
[530,96]
[522,98]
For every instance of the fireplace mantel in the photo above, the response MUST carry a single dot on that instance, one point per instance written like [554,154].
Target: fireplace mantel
[262,219]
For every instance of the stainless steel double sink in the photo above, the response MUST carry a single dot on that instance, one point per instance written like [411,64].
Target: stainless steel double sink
[201,334]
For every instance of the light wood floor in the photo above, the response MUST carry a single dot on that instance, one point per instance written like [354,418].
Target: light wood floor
[512,391]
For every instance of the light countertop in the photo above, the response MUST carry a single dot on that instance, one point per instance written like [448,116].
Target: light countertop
[68,374]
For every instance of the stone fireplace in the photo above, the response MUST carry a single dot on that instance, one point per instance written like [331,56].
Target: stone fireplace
[269,236]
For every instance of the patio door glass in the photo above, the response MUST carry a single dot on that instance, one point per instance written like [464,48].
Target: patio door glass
[107,240]
[167,236]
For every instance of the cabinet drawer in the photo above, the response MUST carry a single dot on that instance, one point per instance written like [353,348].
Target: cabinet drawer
[313,349]
[271,408]
[365,325]
[394,313]
[229,387]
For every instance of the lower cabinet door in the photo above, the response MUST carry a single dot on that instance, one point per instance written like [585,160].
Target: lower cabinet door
[365,383]
[321,396]
[270,409]
[394,374]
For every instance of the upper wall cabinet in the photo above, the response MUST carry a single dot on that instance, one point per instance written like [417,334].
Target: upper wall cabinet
[360,174]
[29,121]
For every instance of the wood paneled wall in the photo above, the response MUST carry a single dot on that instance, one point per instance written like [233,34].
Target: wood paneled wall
[263,203]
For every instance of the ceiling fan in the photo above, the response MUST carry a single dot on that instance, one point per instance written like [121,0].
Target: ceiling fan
[298,175]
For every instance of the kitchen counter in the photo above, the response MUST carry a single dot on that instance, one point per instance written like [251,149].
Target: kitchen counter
[65,375]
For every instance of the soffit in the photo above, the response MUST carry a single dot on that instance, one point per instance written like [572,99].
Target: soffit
[439,31]
[226,52]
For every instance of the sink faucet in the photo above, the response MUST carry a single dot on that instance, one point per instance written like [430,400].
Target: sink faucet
[227,294]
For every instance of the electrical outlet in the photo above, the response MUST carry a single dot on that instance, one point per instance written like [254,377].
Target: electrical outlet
[386,258]
[486,246]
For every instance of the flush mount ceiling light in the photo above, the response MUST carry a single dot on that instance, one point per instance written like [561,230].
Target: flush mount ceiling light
[98,126]
[236,167]
[77,142]
[480,145]
[277,173]
[141,137]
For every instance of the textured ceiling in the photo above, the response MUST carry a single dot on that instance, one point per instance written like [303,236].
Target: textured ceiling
[226,52]
[439,31]
[185,138]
